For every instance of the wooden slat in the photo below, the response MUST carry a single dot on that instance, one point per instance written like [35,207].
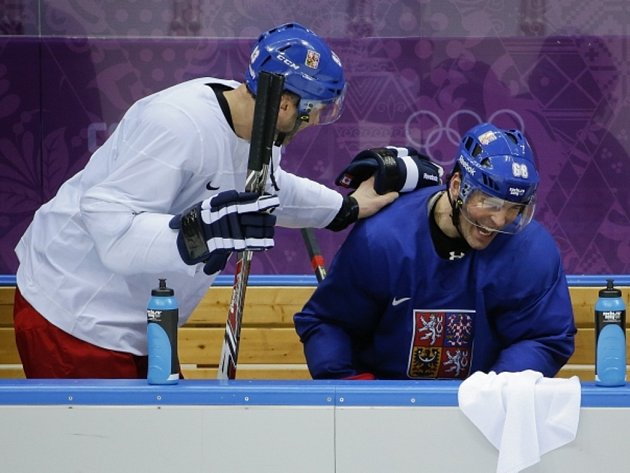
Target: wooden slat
[12,372]
[6,295]
[6,306]
[202,346]
[584,347]
[584,372]
[8,350]
[263,305]
[583,302]
[252,372]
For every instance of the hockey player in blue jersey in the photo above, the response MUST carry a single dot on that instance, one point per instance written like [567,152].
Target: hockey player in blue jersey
[448,280]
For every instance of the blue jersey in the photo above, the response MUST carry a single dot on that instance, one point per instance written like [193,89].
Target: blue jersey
[392,307]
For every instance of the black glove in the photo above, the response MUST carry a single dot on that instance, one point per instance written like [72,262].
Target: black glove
[229,221]
[395,169]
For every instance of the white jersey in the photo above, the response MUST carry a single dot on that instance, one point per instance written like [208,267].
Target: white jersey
[92,254]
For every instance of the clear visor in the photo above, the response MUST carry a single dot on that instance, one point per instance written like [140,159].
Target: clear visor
[496,215]
[323,113]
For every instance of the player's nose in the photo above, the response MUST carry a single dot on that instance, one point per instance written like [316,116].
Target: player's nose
[499,218]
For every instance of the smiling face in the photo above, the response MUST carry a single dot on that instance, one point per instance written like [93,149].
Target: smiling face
[483,216]
[486,216]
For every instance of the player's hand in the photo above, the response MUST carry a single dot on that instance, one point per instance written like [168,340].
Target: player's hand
[229,221]
[369,200]
[394,169]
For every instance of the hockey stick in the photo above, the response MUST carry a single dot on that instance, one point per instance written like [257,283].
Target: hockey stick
[263,131]
[314,253]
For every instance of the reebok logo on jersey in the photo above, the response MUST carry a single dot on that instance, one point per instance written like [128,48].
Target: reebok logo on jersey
[396,301]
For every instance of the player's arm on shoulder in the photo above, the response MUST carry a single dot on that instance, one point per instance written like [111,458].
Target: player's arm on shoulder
[304,203]
[377,176]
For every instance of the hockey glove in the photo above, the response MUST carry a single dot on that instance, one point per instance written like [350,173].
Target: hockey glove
[395,169]
[229,221]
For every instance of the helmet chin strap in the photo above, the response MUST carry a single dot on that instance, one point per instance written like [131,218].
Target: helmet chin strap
[282,136]
[456,206]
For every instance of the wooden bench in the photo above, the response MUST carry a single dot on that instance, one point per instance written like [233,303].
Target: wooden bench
[270,348]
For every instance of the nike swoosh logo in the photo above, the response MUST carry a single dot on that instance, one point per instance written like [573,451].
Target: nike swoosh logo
[396,302]
[210,187]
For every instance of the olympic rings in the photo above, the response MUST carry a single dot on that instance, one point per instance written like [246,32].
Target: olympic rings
[424,129]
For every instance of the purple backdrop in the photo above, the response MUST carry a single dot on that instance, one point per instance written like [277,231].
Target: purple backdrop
[420,73]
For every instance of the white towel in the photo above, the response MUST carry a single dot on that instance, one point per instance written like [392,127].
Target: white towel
[524,415]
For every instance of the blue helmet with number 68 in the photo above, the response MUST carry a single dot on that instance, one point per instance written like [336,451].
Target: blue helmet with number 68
[310,68]
[497,165]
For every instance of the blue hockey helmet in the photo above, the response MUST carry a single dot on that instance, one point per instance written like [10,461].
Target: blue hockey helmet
[310,68]
[498,165]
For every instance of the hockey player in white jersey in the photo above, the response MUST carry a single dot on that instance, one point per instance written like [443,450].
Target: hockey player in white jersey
[92,254]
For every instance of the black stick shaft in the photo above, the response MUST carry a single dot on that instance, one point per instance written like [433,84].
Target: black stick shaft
[266,108]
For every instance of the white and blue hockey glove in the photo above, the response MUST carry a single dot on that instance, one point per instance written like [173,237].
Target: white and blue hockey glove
[229,221]
[394,169]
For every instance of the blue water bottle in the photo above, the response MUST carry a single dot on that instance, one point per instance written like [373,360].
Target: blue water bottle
[610,337]
[162,318]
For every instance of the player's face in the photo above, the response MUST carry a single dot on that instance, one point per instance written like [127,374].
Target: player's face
[484,216]
[324,113]
[313,113]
